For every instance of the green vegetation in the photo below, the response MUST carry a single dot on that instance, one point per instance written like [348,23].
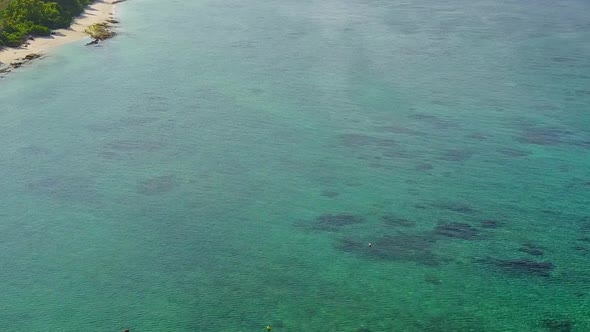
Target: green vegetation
[22,18]
[100,31]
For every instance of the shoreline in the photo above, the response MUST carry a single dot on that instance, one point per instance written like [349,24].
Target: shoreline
[97,12]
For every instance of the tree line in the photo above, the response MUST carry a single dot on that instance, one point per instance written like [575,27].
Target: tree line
[20,19]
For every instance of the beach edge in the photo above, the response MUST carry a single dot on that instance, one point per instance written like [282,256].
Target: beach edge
[98,12]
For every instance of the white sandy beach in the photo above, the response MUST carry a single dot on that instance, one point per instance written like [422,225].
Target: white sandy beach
[98,12]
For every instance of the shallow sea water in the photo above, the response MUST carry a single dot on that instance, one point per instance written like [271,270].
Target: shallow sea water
[222,166]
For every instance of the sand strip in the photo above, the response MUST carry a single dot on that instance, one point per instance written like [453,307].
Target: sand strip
[98,12]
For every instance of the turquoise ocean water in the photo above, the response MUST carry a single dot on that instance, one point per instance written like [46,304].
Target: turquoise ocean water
[222,165]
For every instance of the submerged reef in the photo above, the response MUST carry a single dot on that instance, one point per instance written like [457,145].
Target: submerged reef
[127,148]
[510,152]
[531,249]
[361,141]
[63,187]
[400,247]
[457,230]
[543,136]
[333,222]
[557,325]
[329,193]
[424,167]
[395,221]
[397,129]
[432,279]
[550,136]
[522,267]
[158,185]
[363,329]
[478,136]
[456,155]
[435,121]
[490,223]
[455,207]
[453,322]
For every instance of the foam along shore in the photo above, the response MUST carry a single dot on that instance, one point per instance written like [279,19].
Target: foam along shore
[98,12]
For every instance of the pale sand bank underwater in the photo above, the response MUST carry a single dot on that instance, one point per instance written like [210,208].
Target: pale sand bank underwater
[97,12]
